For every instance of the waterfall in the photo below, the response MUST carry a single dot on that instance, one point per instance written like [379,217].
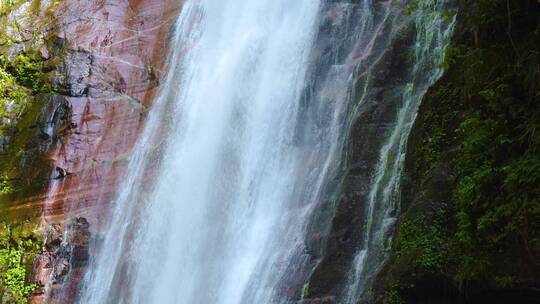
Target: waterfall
[434,28]
[227,170]
[242,148]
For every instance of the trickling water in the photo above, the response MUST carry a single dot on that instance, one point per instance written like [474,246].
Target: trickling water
[434,28]
[240,169]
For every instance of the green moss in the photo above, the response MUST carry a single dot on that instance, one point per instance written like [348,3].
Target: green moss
[22,165]
[22,87]
[305,291]
[439,121]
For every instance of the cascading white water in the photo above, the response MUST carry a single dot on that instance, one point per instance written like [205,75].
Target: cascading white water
[233,187]
[233,159]
[434,28]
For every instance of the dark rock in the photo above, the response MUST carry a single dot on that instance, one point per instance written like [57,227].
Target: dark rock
[389,70]
[323,300]
[61,173]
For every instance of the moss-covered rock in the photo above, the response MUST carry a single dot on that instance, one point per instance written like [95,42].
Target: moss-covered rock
[33,118]
[470,227]
[32,115]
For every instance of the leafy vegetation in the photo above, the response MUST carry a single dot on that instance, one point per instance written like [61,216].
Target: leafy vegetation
[19,79]
[28,72]
[481,124]
[422,244]
[498,166]
[392,294]
[12,95]
[18,245]
[5,186]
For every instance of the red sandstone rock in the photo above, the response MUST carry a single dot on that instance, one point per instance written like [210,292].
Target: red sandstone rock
[127,43]
[116,56]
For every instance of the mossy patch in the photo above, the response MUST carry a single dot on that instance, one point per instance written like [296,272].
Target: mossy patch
[23,92]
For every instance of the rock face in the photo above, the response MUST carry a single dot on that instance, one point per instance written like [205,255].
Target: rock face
[113,62]
[103,60]
[114,55]
[105,68]
[386,70]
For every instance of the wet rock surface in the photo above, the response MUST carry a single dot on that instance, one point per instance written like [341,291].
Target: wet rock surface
[387,70]
[66,252]
[105,67]
[112,63]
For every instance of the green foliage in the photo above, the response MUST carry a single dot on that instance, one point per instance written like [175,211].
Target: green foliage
[18,245]
[482,120]
[486,12]
[305,291]
[422,244]
[14,277]
[7,6]
[5,186]
[498,167]
[7,80]
[28,72]
[392,294]
[439,120]
[11,92]
[498,193]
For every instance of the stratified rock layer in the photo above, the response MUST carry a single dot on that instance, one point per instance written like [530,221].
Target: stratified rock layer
[106,59]
[114,62]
